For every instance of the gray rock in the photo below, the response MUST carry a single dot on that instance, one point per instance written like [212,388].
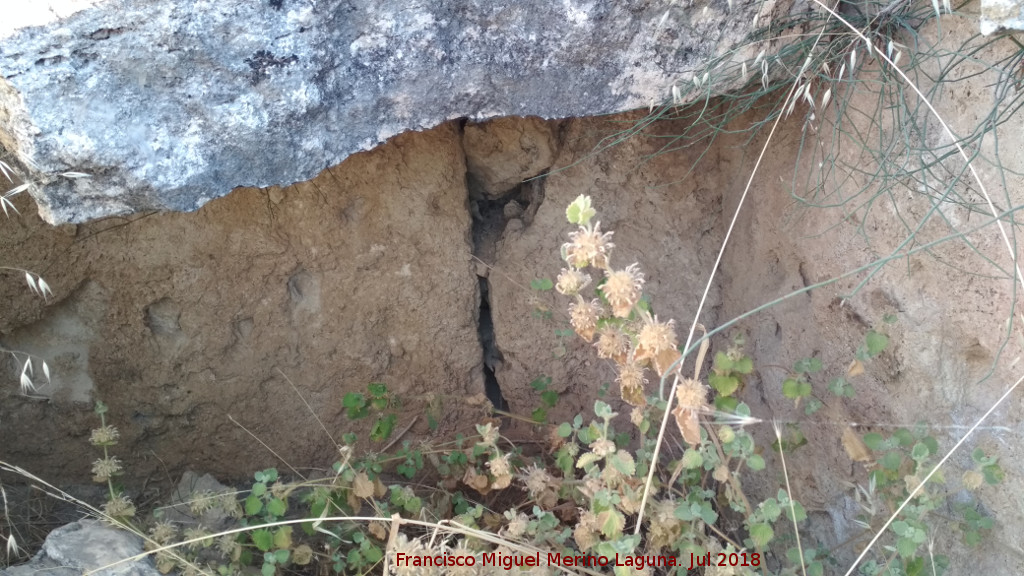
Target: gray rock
[200,501]
[167,105]
[999,15]
[86,545]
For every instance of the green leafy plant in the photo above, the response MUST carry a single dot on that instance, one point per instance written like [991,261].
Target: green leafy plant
[728,373]
[377,398]
[548,399]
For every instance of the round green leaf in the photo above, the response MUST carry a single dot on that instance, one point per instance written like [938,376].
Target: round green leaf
[756,462]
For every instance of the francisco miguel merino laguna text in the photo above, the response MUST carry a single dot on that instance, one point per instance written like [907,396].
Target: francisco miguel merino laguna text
[509,561]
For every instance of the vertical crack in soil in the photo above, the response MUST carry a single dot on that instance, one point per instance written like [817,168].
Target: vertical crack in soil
[492,217]
[492,356]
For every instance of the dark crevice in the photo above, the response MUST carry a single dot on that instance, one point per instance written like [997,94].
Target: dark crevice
[492,219]
[492,356]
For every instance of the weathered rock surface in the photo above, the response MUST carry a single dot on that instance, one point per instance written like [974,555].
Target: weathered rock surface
[168,105]
[83,546]
[1001,15]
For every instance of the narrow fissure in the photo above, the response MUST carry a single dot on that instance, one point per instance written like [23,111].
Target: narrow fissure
[492,356]
[492,217]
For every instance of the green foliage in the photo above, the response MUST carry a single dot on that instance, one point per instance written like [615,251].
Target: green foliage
[840,387]
[548,397]
[580,212]
[728,372]
[541,284]
[377,398]
[975,526]
[874,344]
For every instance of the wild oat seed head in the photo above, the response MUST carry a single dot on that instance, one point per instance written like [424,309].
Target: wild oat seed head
[584,315]
[657,336]
[589,247]
[622,289]
[611,342]
[104,436]
[105,468]
[692,394]
[571,281]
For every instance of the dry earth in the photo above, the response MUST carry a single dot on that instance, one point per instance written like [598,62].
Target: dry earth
[372,272]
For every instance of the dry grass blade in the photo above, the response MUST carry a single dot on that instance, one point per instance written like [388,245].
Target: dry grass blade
[789,491]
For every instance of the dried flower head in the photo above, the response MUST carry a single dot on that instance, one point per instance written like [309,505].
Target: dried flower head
[537,480]
[623,288]
[631,383]
[583,316]
[586,530]
[229,505]
[572,449]
[517,524]
[163,533]
[280,490]
[612,343]
[119,507]
[502,482]
[229,547]
[104,436]
[692,394]
[463,560]
[500,466]
[636,416]
[165,561]
[571,281]
[588,247]
[302,554]
[409,548]
[656,343]
[200,536]
[691,399]
[602,447]
[105,468]
[202,502]
[656,336]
